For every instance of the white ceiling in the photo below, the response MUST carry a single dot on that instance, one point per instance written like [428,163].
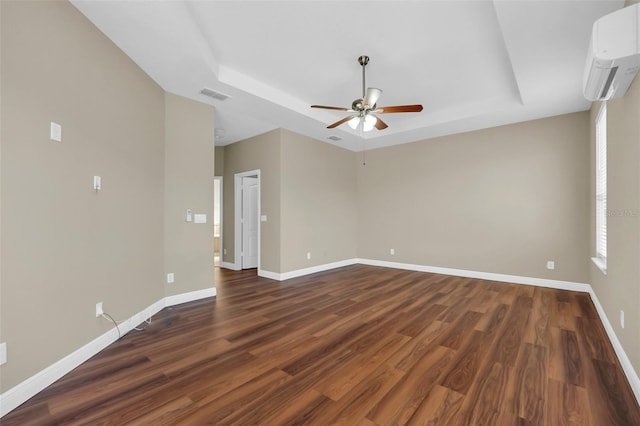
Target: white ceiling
[472,64]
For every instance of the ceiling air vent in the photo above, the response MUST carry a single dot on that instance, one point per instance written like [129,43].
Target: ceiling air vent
[215,95]
[334,138]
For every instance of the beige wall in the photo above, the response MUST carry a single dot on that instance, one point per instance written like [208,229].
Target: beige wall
[318,196]
[260,152]
[189,162]
[619,289]
[501,200]
[308,193]
[64,246]
[219,163]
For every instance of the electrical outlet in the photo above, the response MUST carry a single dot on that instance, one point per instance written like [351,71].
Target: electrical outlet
[622,318]
[392,252]
[551,265]
[170,278]
[3,352]
[99,310]
[224,251]
[308,255]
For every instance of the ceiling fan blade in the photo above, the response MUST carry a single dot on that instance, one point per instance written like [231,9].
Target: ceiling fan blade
[337,123]
[371,97]
[399,108]
[330,107]
[380,125]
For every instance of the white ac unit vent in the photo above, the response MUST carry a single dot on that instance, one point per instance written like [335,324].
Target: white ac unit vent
[214,94]
[613,59]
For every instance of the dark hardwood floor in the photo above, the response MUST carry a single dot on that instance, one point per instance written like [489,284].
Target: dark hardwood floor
[359,345]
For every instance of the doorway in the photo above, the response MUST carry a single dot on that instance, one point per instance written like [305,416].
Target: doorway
[217,219]
[247,220]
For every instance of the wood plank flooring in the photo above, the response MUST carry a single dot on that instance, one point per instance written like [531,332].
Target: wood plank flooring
[359,345]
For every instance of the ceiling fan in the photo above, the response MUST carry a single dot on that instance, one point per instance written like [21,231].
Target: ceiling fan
[363,109]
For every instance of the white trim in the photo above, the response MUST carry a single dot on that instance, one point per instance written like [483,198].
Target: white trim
[229,265]
[237,229]
[540,282]
[317,268]
[190,297]
[133,321]
[20,393]
[221,201]
[627,367]
[601,185]
[39,381]
[306,271]
[268,274]
[600,264]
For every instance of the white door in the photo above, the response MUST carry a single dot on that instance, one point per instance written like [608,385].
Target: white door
[249,222]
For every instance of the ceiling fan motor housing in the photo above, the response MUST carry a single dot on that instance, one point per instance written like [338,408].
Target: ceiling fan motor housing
[359,106]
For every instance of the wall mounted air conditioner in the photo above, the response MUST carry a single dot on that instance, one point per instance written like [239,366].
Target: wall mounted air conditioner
[613,59]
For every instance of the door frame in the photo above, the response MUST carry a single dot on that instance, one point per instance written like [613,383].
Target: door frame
[237,237]
[221,202]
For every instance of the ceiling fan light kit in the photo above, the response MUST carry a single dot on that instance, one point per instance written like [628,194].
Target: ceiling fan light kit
[368,123]
[363,108]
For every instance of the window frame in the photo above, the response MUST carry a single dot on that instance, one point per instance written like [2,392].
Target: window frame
[600,258]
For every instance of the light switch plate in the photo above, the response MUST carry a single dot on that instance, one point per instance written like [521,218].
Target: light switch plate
[56,132]
[263,218]
[170,278]
[200,218]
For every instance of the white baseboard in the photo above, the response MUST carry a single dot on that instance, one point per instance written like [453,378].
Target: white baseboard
[36,383]
[20,393]
[190,297]
[540,282]
[228,265]
[628,369]
[268,274]
[136,319]
[306,271]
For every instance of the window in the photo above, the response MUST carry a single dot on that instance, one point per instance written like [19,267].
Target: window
[601,189]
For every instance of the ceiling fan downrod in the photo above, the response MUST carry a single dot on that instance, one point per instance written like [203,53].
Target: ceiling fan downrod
[363,60]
